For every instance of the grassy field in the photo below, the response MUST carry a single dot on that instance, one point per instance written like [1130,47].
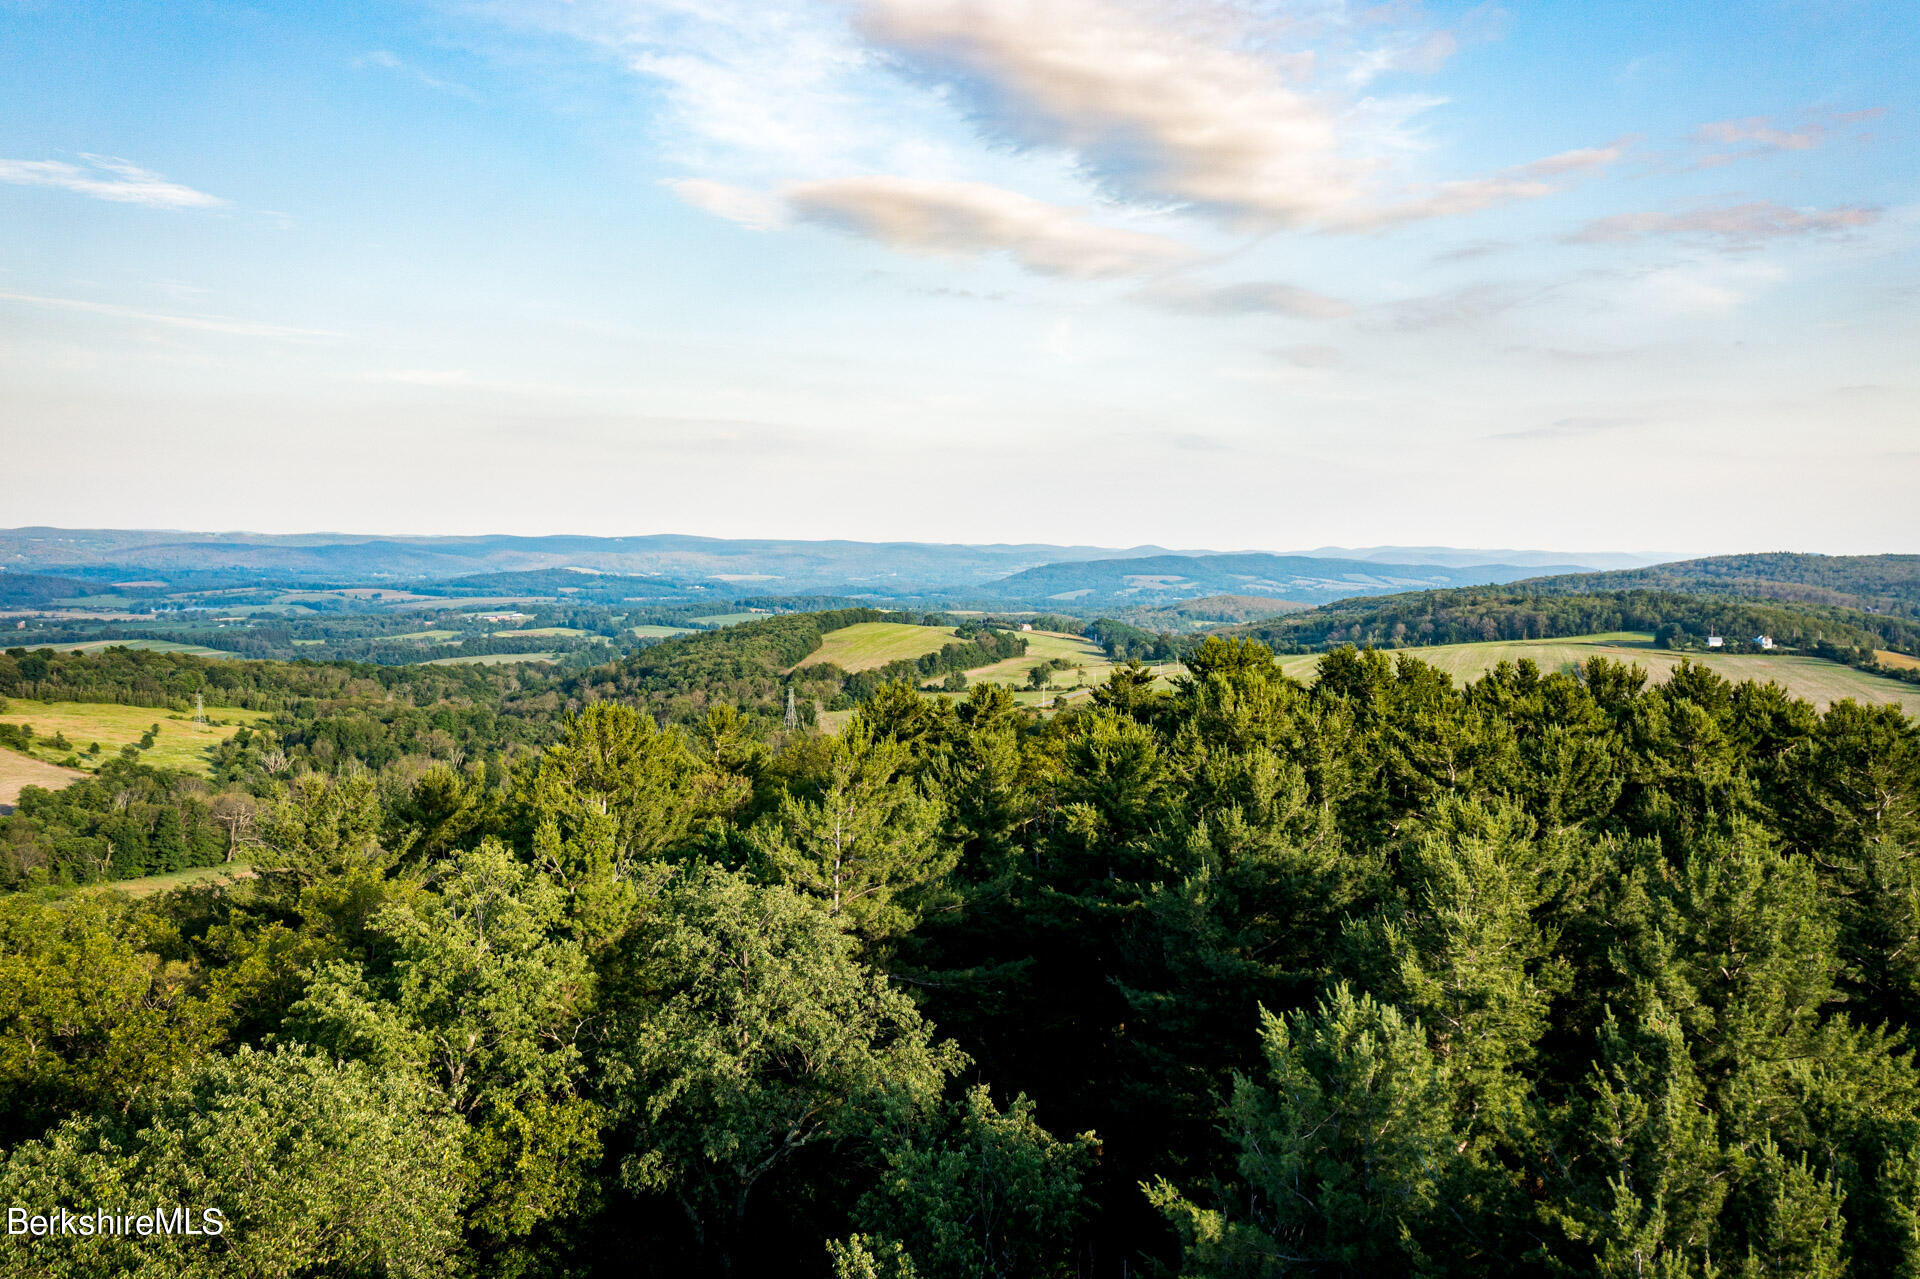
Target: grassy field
[728,619]
[544,630]
[197,877]
[424,635]
[180,744]
[1899,661]
[1043,646]
[867,646]
[659,632]
[491,659]
[17,770]
[156,646]
[1821,683]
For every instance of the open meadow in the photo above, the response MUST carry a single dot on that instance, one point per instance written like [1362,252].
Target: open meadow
[1043,646]
[17,771]
[180,743]
[1819,682]
[867,646]
[491,659]
[152,646]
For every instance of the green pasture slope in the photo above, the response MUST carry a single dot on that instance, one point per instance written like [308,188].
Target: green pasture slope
[1819,682]
[154,646]
[180,744]
[867,646]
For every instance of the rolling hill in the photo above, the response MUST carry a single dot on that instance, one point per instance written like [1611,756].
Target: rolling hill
[1871,583]
[1166,579]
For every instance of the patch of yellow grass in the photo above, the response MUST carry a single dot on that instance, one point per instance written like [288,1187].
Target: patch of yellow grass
[867,646]
[180,744]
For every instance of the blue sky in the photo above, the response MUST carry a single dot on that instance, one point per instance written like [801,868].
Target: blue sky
[1199,273]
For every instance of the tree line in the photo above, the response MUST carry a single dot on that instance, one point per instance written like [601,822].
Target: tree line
[1473,614]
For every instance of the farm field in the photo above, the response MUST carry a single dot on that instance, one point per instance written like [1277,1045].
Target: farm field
[659,632]
[1899,661]
[153,646]
[1821,683]
[867,646]
[1043,646]
[17,770]
[727,619]
[181,744]
[543,630]
[148,885]
[491,659]
[423,635]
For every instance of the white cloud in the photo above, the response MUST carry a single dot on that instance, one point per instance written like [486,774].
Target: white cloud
[204,323]
[1763,133]
[1172,112]
[969,218]
[107,178]
[1733,226]
[752,209]
[1157,111]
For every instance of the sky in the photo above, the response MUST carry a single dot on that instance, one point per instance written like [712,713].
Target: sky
[1235,274]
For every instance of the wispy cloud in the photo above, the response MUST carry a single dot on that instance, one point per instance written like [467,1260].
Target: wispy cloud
[1161,112]
[1249,298]
[1461,308]
[1763,135]
[1731,226]
[755,210]
[107,178]
[388,61]
[204,323]
[963,219]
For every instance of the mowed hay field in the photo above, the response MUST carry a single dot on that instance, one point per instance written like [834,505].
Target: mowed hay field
[152,646]
[867,646]
[1043,646]
[180,744]
[17,770]
[1821,683]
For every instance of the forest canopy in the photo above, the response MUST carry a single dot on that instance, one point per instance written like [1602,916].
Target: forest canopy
[1229,975]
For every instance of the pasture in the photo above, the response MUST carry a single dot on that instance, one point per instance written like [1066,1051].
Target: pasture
[1819,682]
[867,646]
[196,877]
[180,744]
[659,632]
[1043,646]
[151,645]
[543,630]
[728,619]
[17,770]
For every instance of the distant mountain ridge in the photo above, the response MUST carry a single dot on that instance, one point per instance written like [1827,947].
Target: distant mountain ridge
[753,564]
[1166,579]
[917,571]
[1463,557]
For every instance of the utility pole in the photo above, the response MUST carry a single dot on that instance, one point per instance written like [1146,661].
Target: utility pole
[793,715]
